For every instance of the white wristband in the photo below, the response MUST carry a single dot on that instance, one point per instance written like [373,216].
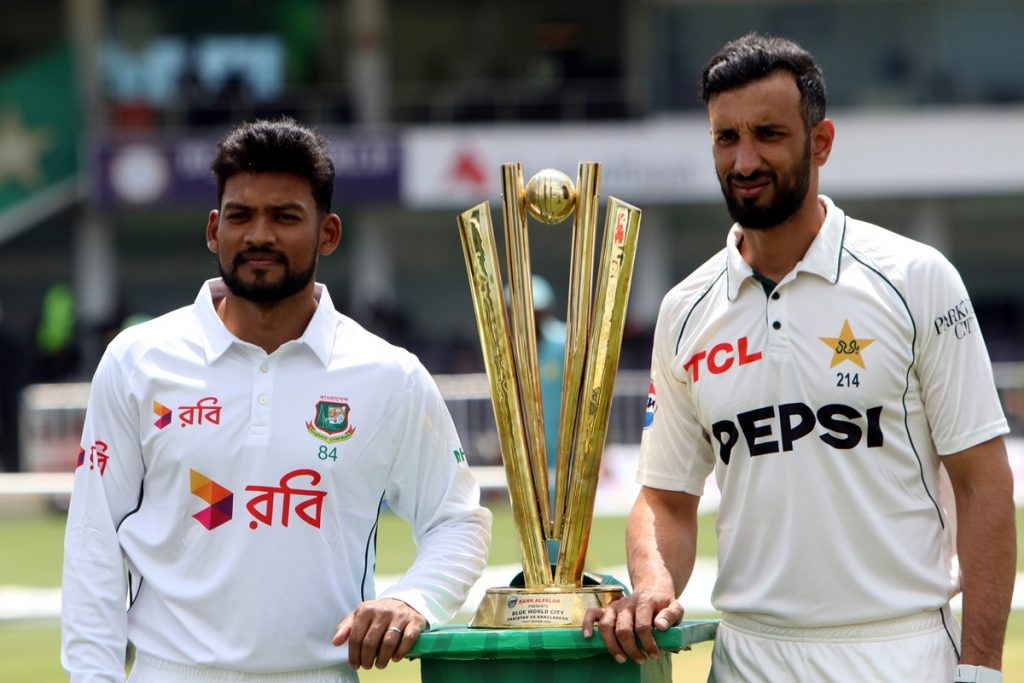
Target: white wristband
[969,673]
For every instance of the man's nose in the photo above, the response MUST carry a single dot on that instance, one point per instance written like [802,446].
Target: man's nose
[260,231]
[748,158]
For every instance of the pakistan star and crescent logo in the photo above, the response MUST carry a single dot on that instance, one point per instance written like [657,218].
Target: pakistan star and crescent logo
[847,346]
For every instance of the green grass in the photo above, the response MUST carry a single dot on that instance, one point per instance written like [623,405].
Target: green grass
[31,549]
[30,653]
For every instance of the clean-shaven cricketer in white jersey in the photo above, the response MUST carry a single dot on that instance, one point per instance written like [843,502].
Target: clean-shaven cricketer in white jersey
[237,453]
[828,371]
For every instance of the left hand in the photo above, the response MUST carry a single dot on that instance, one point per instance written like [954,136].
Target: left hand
[631,619]
[379,631]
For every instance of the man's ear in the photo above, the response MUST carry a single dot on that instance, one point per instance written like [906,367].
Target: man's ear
[822,137]
[330,233]
[212,225]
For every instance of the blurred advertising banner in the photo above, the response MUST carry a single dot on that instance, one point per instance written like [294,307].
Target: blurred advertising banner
[911,153]
[140,170]
[39,125]
[649,162]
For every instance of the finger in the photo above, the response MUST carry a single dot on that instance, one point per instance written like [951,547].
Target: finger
[343,632]
[670,616]
[626,636]
[409,638]
[642,621]
[362,622]
[389,643]
[606,627]
[371,644]
[589,617]
[357,634]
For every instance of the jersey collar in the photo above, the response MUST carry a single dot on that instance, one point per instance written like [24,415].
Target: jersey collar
[822,257]
[318,336]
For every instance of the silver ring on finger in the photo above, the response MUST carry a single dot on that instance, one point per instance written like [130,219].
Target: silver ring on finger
[397,630]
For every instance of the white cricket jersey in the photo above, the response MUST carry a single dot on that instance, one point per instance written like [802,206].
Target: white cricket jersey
[823,409]
[242,492]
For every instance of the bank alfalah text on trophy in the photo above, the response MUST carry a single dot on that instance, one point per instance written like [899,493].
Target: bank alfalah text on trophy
[552,592]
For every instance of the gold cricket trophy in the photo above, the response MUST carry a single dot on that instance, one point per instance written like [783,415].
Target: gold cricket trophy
[551,595]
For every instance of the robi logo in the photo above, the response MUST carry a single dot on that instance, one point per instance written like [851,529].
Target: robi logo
[720,358]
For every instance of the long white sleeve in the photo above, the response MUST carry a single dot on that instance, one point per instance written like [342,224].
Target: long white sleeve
[106,489]
[432,488]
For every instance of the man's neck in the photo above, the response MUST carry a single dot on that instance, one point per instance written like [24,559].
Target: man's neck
[267,325]
[774,252]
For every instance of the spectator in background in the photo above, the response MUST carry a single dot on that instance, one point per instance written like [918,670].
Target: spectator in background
[550,363]
[551,340]
[56,340]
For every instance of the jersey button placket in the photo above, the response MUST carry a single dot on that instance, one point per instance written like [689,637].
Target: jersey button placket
[263,389]
[777,318]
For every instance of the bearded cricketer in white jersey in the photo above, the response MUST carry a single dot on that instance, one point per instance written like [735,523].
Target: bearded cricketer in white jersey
[829,372]
[237,454]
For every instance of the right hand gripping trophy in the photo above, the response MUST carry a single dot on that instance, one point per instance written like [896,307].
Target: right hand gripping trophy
[551,596]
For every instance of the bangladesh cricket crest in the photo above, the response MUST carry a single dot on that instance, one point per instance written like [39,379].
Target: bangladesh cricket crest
[331,423]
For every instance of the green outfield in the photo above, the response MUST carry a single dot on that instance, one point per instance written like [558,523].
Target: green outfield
[31,556]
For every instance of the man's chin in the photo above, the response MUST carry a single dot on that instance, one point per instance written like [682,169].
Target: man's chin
[259,283]
[263,296]
[753,217]
[259,290]
[260,287]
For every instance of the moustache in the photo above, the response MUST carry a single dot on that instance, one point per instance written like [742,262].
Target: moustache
[733,178]
[253,254]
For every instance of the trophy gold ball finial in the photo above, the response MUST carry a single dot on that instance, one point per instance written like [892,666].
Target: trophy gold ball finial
[550,196]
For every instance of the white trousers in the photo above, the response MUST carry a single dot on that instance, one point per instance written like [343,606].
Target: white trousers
[920,648]
[149,669]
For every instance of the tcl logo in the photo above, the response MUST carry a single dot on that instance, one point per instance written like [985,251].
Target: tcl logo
[720,357]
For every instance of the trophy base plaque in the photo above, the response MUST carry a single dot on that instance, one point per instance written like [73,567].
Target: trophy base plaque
[551,607]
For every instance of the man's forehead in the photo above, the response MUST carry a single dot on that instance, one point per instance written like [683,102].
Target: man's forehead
[773,99]
[268,189]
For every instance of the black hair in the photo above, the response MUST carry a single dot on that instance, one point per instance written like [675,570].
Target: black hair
[755,56]
[277,146]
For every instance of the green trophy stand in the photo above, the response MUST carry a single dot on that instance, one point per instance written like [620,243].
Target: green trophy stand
[457,654]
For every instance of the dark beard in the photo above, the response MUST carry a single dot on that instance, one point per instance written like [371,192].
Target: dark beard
[260,291]
[787,199]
